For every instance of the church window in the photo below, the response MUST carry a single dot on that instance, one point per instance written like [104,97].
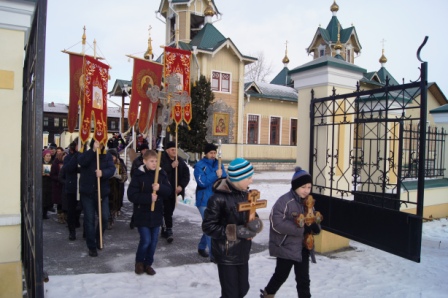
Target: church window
[56,122]
[321,50]
[274,136]
[293,137]
[64,122]
[112,125]
[221,81]
[348,56]
[252,129]
[45,121]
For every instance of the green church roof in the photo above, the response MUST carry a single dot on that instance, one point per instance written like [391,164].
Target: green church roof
[282,78]
[208,38]
[327,61]
[439,110]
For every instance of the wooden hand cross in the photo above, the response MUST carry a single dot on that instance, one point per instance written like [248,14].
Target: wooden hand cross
[252,204]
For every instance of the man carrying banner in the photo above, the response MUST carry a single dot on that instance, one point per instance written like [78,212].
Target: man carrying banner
[97,166]
[177,171]
[88,190]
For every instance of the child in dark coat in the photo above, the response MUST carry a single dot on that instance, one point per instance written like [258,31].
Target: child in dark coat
[287,236]
[142,192]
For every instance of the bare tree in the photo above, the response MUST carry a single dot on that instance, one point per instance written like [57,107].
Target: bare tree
[259,70]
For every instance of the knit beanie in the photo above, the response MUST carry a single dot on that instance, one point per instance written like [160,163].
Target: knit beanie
[300,177]
[45,152]
[210,147]
[239,169]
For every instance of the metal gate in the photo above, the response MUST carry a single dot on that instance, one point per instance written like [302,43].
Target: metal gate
[357,163]
[31,154]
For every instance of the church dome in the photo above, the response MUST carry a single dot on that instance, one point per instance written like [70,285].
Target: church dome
[285,59]
[209,10]
[383,58]
[334,7]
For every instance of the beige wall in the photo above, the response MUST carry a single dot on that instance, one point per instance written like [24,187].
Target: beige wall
[11,64]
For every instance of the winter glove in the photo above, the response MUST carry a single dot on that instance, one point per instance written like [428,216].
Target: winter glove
[312,229]
[244,233]
[255,225]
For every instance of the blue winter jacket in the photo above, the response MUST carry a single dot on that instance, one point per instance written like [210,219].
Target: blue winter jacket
[205,175]
[88,181]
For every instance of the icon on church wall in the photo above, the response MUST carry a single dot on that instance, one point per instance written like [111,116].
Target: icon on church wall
[220,124]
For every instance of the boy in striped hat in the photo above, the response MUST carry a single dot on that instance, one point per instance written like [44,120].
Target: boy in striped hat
[230,231]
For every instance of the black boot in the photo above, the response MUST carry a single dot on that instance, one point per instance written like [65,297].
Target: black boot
[169,235]
[45,214]
[163,234]
[72,235]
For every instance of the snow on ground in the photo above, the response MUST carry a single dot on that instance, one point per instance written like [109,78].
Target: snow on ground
[362,271]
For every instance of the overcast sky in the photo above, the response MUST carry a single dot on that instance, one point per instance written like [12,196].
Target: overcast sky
[121,28]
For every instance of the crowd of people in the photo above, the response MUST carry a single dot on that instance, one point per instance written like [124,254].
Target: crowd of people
[75,182]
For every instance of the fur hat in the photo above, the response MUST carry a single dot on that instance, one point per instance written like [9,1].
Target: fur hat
[45,152]
[300,177]
[170,144]
[209,147]
[239,169]
[144,146]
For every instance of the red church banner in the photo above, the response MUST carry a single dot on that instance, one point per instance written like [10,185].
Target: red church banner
[94,106]
[177,112]
[187,114]
[146,74]
[178,61]
[76,90]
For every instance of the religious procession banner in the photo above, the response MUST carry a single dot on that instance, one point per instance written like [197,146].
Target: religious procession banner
[76,89]
[177,62]
[94,106]
[146,74]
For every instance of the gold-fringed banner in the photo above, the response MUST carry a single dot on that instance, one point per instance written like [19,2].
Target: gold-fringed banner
[76,90]
[94,107]
[146,74]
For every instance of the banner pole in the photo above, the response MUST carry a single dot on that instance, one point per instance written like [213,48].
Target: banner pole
[99,199]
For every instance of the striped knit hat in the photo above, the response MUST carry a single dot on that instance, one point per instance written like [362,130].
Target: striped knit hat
[239,169]
[300,177]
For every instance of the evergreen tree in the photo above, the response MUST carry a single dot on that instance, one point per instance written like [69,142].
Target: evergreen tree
[193,140]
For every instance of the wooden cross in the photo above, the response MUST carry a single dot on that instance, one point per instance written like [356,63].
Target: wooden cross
[252,204]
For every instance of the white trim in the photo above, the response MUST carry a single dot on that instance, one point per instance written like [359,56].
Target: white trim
[279,131]
[220,81]
[10,220]
[320,48]
[16,15]
[247,128]
[290,129]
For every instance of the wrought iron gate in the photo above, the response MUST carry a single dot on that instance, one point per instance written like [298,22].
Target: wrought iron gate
[31,153]
[357,162]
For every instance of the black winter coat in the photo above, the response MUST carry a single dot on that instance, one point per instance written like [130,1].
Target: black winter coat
[183,173]
[222,209]
[139,193]
[71,172]
[88,181]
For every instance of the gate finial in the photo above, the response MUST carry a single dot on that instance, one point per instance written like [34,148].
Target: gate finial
[420,48]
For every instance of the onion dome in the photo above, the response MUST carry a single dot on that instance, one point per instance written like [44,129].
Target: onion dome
[209,12]
[383,58]
[286,59]
[334,7]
